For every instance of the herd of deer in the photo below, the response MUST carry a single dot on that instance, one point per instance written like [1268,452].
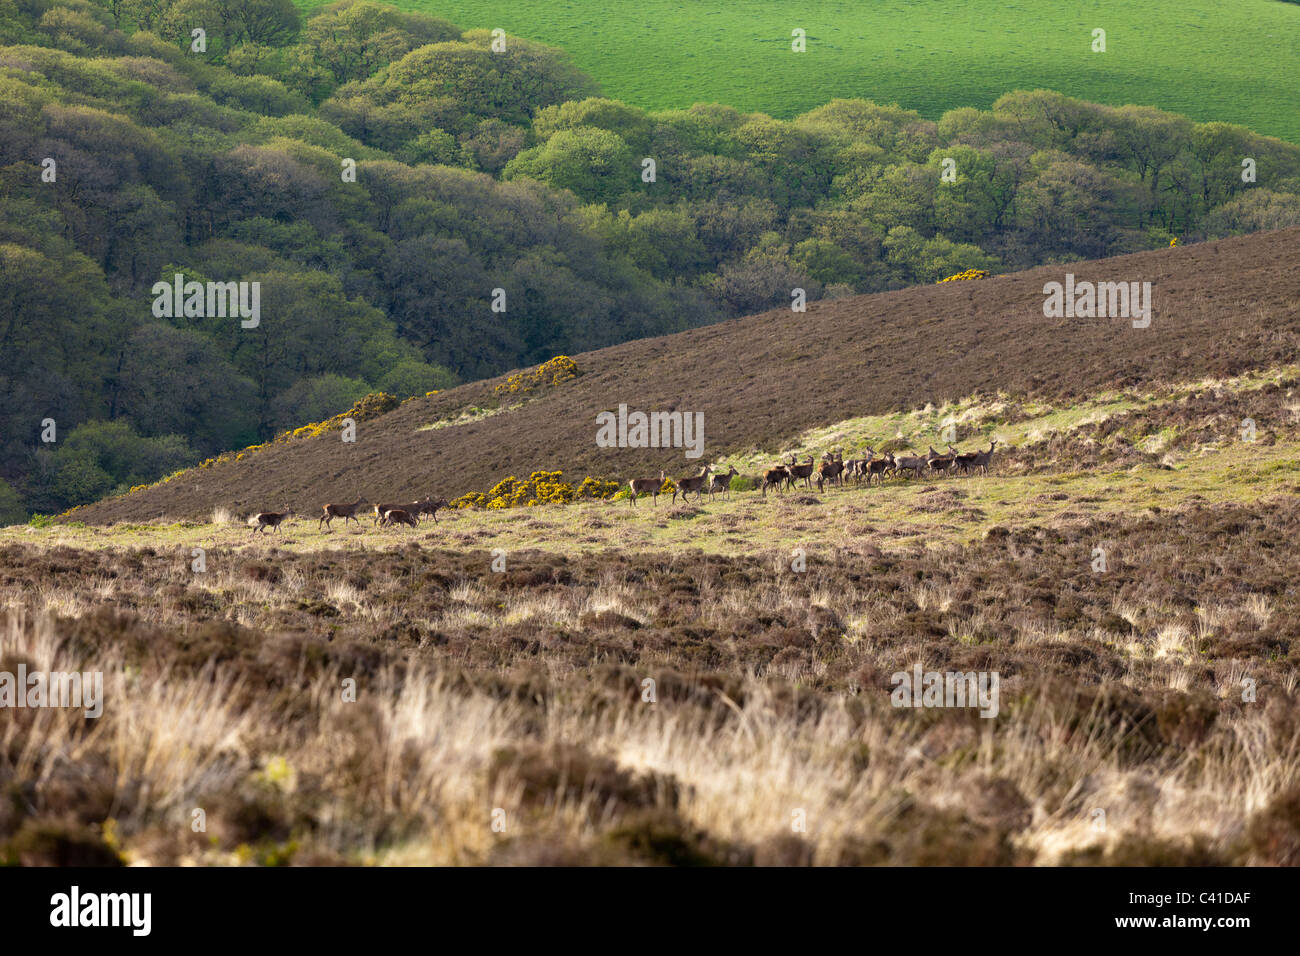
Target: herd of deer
[832,469]
[384,514]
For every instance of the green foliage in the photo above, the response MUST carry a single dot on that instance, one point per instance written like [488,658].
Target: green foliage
[413,377]
[595,164]
[12,509]
[931,57]
[311,399]
[99,458]
[478,170]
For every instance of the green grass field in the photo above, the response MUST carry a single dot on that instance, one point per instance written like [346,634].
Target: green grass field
[1237,62]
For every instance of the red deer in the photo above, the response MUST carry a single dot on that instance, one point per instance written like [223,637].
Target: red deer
[879,467]
[265,519]
[400,516]
[800,472]
[722,483]
[414,508]
[695,483]
[940,462]
[775,477]
[831,469]
[642,485]
[983,458]
[431,505]
[857,467]
[913,463]
[346,512]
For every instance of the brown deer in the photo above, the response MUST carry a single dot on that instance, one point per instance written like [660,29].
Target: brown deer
[913,463]
[831,469]
[641,485]
[982,459]
[271,519]
[431,505]
[722,483]
[400,516]
[801,472]
[775,477]
[940,462]
[857,467]
[877,468]
[695,483]
[414,508]
[346,512]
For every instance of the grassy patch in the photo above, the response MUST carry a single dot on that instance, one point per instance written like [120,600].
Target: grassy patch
[929,56]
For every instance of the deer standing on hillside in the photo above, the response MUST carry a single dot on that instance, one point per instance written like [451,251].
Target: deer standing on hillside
[642,485]
[431,505]
[916,464]
[831,469]
[775,477]
[272,519]
[346,512]
[400,516]
[800,472]
[982,459]
[426,505]
[940,462]
[382,509]
[722,483]
[857,467]
[879,467]
[693,483]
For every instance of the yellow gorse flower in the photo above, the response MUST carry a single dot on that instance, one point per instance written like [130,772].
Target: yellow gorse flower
[539,488]
[968,274]
[557,371]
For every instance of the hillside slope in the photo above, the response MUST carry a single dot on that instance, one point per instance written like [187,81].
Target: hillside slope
[1219,308]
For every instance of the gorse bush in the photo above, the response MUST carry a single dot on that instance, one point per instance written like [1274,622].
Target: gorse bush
[557,371]
[540,488]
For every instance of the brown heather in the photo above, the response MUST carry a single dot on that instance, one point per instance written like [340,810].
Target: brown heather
[522,691]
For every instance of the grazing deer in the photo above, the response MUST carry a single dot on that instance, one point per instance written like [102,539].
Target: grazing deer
[831,469]
[400,516]
[346,512]
[272,519]
[940,462]
[879,467]
[775,477]
[983,458]
[693,483]
[913,463]
[641,485]
[800,472]
[722,483]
